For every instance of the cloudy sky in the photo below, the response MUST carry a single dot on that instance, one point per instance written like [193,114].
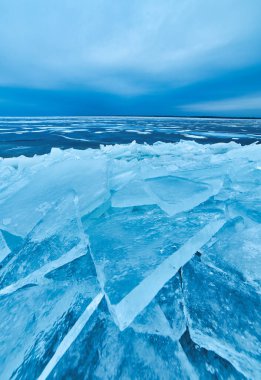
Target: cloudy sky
[136,57]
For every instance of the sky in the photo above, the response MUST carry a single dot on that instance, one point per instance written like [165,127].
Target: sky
[130,57]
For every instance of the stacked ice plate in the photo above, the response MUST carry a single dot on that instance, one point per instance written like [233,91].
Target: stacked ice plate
[131,261]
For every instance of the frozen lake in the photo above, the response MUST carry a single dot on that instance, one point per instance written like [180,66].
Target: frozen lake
[29,136]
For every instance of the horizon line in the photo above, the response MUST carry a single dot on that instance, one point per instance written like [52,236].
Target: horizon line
[137,116]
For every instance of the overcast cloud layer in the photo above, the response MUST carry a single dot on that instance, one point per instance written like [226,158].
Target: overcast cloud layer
[166,57]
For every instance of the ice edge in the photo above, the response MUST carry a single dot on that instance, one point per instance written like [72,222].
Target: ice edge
[126,310]
[71,336]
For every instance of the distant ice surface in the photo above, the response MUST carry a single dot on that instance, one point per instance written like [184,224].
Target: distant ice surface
[29,135]
[131,261]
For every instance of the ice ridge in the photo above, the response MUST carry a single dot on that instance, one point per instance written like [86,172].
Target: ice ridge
[152,252]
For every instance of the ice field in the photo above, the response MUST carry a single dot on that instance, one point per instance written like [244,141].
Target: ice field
[38,135]
[131,261]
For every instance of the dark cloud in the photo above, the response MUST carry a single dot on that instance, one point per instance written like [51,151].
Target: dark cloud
[170,57]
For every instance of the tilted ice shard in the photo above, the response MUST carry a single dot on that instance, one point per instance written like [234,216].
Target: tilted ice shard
[171,194]
[140,249]
[34,320]
[175,194]
[104,352]
[246,203]
[121,172]
[152,321]
[170,299]
[12,241]
[223,315]
[133,194]
[165,314]
[72,335]
[207,364]
[4,249]
[57,239]
[22,211]
[223,251]
[231,266]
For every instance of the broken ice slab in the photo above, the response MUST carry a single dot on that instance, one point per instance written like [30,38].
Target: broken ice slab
[10,179]
[152,321]
[207,364]
[136,259]
[176,194]
[133,194]
[57,239]
[165,314]
[121,172]
[246,177]
[236,249]
[139,355]
[242,192]
[223,315]
[71,336]
[171,194]
[207,172]
[4,249]
[137,250]
[35,319]
[12,241]
[246,204]
[23,210]
[170,299]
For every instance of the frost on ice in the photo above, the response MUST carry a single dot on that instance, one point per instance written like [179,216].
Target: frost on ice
[131,261]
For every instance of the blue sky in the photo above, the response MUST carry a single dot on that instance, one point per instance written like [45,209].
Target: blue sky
[146,57]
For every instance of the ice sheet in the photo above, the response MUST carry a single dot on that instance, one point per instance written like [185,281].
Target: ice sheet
[34,320]
[170,280]
[140,249]
[223,315]
[48,246]
[138,354]
[28,205]
[175,194]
